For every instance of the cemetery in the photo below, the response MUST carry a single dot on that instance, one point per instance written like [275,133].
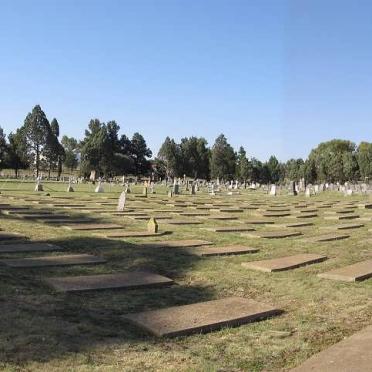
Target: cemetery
[187,287]
[185,186]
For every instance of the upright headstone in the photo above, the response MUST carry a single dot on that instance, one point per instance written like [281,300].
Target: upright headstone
[307,192]
[99,187]
[38,186]
[121,203]
[144,192]
[273,190]
[152,226]
[69,187]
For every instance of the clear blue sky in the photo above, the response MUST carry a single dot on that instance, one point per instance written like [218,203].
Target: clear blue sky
[275,76]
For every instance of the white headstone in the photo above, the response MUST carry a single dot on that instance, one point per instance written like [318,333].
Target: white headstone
[122,200]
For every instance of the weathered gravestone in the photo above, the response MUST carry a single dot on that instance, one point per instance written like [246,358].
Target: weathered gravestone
[284,263]
[99,188]
[152,226]
[202,316]
[121,203]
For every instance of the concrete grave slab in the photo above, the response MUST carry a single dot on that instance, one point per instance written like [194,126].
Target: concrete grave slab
[201,317]
[227,229]
[133,234]
[342,217]
[352,354]
[47,261]
[177,243]
[130,280]
[284,263]
[10,236]
[327,238]
[351,273]
[93,226]
[29,247]
[222,251]
[272,234]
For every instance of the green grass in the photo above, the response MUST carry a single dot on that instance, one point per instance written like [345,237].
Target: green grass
[46,331]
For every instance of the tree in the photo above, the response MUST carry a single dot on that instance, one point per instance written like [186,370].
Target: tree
[243,166]
[170,155]
[71,148]
[293,169]
[3,148]
[364,158]
[36,130]
[140,152]
[53,151]
[195,157]
[222,159]
[328,159]
[274,169]
[350,166]
[256,170]
[17,152]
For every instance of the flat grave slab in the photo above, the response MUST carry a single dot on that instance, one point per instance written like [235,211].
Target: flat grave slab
[38,216]
[130,280]
[259,222]
[182,222]
[29,247]
[227,229]
[134,234]
[275,214]
[94,226]
[222,251]
[202,316]
[346,226]
[352,354]
[342,217]
[178,243]
[284,263]
[46,261]
[351,273]
[64,221]
[272,234]
[221,218]
[10,236]
[327,238]
[306,215]
[298,224]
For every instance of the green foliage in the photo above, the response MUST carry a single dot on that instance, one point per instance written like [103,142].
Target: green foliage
[364,158]
[244,169]
[329,158]
[71,148]
[170,155]
[139,153]
[36,131]
[223,159]
[195,157]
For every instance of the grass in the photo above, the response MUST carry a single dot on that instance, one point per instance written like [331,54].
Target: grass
[46,331]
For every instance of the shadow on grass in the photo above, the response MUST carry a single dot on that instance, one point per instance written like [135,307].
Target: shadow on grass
[38,324]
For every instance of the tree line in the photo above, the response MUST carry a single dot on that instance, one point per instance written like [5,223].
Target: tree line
[37,145]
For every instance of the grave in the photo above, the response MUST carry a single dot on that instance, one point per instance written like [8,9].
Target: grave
[351,273]
[93,226]
[327,238]
[346,226]
[222,251]
[28,247]
[352,354]
[46,261]
[284,263]
[342,217]
[10,236]
[182,222]
[152,226]
[272,234]
[134,234]
[201,317]
[177,243]
[226,229]
[131,280]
